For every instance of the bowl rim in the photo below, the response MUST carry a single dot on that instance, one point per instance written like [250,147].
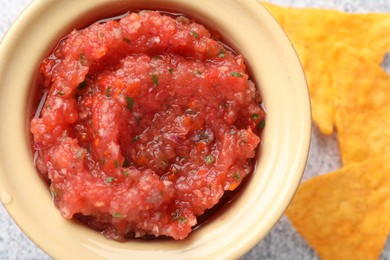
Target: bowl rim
[292,125]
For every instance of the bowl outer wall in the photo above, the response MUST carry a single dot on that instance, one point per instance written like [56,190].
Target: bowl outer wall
[276,69]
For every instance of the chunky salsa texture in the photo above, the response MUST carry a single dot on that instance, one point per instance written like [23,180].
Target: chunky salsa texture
[147,121]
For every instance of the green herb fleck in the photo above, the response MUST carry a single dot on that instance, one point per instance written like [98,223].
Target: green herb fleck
[182,220]
[236,176]
[157,57]
[170,70]
[129,102]
[82,85]
[163,164]
[198,72]
[261,125]
[109,179]
[203,135]
[255,116]
[83,58]
[108,92]
[190,111]
[117,163]
[221,53]
[232,132]
[195,34]
[60,93]
[155,80]
[175,215]
[209,159]
[181,158]
[126,163]
[127,40]
[236,74]
[244,137]
[183,20]
[117,215]
[175,170]
[126,173]
[135,138]
[103,162]
[79,153]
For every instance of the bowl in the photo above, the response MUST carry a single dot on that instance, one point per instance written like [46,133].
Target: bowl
[249,29]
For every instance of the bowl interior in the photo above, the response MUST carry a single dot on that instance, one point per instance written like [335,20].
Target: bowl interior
[232,232]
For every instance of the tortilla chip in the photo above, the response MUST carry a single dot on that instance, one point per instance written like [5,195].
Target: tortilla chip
[363,111]
[314,33]
[345,214]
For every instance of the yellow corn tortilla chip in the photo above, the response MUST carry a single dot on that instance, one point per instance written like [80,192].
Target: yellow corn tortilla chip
[345,214]
[363,111]
[314,33]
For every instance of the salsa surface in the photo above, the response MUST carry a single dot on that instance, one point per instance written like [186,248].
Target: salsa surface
[148,120]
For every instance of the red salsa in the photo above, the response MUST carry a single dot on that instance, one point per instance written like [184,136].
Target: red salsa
[147,121]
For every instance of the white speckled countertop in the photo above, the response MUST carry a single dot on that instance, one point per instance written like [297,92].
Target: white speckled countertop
[283,242]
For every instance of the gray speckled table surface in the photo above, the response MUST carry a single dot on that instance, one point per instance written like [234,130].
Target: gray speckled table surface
[282,242]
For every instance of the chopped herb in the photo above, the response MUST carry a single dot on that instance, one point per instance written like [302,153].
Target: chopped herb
[221,53]
[155,80]
[127,40]
[103,162]
[236,74]
[175,170]
[83,59]
[209,159]
[198,72]
[170,70]
[195,34]
[190,111]
[182,220]
[60,93]
[108,92]
[126,173]
[232,132]
[181,158]
[203,135]
[117,163]
[126,163]
[183,20]
[109,179]
[82,85]
[129,102]
[117,215]
[255,116]
[157,57]
[175,215]
[79,154]
[163,164]
[244,137]
[261,125]
[135,138]
[236,176]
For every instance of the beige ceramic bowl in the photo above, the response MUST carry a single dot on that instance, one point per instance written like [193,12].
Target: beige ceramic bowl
[251,30]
